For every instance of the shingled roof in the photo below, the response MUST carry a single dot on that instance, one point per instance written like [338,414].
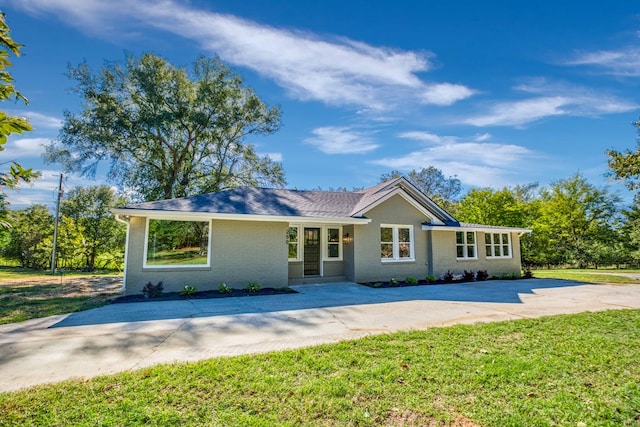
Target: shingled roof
[256,201]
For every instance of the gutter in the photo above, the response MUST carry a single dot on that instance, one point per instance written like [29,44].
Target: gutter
[126,252]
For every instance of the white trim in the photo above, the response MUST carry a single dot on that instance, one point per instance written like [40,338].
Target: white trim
[486,229]
[493,245]
[465,245]
[325,239]
[175,266]
[299,251]
[194,216]
[396,243]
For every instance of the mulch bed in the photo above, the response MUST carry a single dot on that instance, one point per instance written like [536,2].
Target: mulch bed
[402,284]
[176,296]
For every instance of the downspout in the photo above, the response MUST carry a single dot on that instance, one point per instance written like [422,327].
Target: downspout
[126,253]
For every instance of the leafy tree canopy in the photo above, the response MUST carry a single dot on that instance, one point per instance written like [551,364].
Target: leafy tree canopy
[167,131]
[11,124]
[625,165]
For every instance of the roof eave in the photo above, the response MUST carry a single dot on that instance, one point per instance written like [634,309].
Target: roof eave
[177,215]
[479,227]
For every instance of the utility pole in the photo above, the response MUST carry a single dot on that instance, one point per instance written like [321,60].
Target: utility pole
[55,228]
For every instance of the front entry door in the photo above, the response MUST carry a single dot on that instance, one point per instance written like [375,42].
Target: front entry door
[311,251]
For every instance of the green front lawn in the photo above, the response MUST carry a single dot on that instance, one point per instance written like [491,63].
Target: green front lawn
[588,276]
[573,370]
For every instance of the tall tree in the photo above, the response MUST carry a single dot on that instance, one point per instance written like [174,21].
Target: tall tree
[88,220]
[11,124]
[509,207]
[625,165]
[30,237]
[167,131]
[574,216]
[432,182]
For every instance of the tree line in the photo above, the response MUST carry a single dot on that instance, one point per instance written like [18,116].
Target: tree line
[169,131]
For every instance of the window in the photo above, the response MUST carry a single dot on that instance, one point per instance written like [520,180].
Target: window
[177,243]
[466,244]
[293,240]
[498,245]
[334,243]
[396,243]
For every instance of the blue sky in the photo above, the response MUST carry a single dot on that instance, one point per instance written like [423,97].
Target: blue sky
[495,92]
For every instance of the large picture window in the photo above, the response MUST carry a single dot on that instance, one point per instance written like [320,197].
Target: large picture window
[498,245]
[466,245]
[177,243]
[396,243]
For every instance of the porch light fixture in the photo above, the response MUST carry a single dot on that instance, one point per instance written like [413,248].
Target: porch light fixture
[346,238]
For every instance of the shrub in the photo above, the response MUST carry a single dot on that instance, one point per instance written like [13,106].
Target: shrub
[188,290]
[253,287]
[152,291]
[448,277]
[224,288]
[468,276]
[528,274]
[377,285]
[393,281]
[411,280]
[430,278]
[482,275]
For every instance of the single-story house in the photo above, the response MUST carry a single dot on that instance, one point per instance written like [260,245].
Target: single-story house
[276,237]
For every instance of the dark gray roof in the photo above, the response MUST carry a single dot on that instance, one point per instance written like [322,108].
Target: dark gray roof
[261,201]
[282,202]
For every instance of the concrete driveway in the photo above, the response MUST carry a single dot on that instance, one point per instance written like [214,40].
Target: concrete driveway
[120,337]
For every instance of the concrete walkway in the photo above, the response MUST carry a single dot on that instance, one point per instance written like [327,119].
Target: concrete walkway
[120,337]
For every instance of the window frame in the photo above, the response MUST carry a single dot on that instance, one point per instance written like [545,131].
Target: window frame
[500,244]
[465,245]
[396,243]
[298,251]
[146,266]
[326,243]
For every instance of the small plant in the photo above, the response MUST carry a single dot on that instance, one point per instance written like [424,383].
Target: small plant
[393,281]
[188,290]
[482,275]
[468,276]
[528,274]
[377,285]
[448,277]
[253,287]
[430,278]
[152,291]
[224,288]
[411,280]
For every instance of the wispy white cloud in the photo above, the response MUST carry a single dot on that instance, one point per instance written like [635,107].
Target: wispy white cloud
[550,99]
[341,140]
[39,120]
[276,157]
[333,70]
[24,148]
[623,62]
[473,160]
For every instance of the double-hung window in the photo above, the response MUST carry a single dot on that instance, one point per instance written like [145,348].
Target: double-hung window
[497,245]
[293,240]
[334,245]
[466,245]
[396,243]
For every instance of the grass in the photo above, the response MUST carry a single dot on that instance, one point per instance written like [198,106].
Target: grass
[16,273]
[584,275]
[183,256]
[28,294]
[564,370]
